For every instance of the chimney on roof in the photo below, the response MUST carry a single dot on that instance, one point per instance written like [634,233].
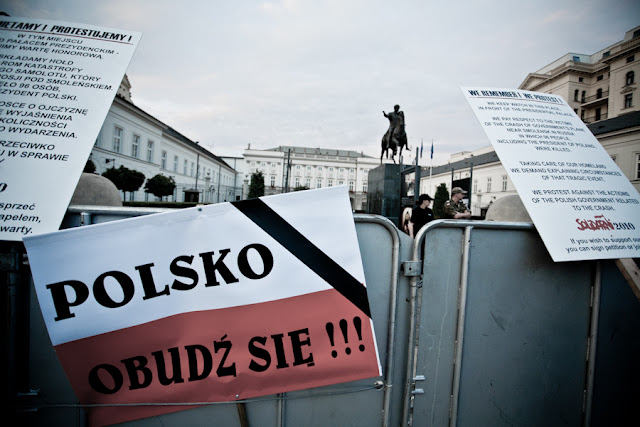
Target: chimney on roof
[249,146]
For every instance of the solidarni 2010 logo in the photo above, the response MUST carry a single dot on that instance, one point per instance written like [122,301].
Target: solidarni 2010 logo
[599,222]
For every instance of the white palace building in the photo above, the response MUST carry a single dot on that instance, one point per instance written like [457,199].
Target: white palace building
[133,138]
[307,168]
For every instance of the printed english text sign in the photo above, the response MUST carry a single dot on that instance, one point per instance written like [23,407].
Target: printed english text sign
[57,82]
[220,303]
[581,203]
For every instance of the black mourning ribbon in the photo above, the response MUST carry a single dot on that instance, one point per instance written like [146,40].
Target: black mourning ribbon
[292,240]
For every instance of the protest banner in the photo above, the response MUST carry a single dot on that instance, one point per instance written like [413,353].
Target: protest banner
[57,82]
[223,302]
[581,203]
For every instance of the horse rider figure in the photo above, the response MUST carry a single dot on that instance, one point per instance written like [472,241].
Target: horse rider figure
[395,135]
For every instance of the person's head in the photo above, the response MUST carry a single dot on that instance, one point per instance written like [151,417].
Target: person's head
[424,200]
[457,194]
[396,108]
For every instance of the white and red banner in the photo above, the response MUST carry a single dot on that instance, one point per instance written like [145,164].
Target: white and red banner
[217,303]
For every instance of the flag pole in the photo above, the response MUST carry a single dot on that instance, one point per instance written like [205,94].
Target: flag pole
[431,167]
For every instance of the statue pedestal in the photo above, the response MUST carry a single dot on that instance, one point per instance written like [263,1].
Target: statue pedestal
[383,192]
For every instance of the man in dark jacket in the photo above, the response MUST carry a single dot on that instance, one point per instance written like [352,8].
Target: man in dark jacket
[420,215]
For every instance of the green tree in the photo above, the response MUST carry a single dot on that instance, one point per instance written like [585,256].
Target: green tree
[160,186]
[301,188]
[125,179]
[442,195]
[256,187]
[89,167]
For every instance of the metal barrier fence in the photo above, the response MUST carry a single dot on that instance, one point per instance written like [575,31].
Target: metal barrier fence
[484,329]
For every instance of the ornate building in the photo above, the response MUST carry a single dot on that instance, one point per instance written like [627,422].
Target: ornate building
[287,168]
[133,138]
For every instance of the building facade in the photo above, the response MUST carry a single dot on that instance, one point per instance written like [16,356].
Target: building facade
[133,138]
[488,179]
[602,90]
[599,86]
[287,168]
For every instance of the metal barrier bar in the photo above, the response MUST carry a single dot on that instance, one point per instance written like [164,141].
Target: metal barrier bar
[462,297]
[391,327]
[593,341]
[415,305]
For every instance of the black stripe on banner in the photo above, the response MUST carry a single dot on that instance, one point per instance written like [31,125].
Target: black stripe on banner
[276,226]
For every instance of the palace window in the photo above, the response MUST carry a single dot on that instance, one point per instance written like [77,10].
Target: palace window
[117,139]
[163,160]
[135,146]
[175,163]
[150,151]
[630,78]
[504,182]
[628,100]
[488,184]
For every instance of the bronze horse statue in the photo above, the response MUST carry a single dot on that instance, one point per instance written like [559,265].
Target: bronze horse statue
[395,136]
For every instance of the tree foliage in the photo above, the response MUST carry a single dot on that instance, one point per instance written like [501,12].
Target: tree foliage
[160,186]
[125,179]
[256,187]
[89,167]
[301,188]
[442,195]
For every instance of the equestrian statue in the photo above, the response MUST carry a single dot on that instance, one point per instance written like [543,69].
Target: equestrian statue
[395,136]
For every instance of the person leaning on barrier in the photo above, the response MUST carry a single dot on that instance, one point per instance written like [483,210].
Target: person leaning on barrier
[455,208]
[420,215]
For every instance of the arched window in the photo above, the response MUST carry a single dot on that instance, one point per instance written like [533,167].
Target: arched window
[599,93]
[575,95]
[630,77]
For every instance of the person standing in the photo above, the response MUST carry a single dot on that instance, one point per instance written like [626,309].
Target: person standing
[455,208]
[421,215]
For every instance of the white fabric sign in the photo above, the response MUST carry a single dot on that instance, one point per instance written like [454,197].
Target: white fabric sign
[581,203]
[57,82]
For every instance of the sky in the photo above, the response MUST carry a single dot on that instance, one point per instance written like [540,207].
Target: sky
[319,73]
